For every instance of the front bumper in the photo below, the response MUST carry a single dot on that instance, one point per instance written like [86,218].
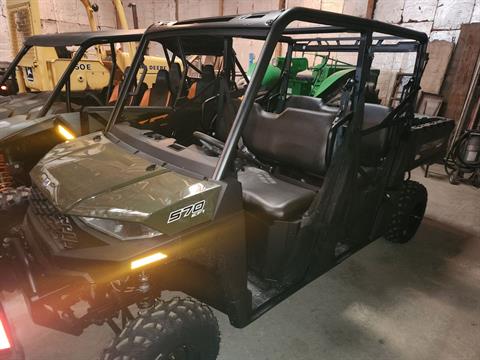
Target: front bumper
[65,272]
[49,291]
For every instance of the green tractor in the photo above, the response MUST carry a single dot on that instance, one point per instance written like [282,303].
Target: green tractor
[322,80]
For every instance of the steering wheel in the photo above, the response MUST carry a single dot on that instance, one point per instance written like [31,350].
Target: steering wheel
[209,142]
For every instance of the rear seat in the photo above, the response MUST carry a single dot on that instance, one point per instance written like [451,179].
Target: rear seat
[295,138]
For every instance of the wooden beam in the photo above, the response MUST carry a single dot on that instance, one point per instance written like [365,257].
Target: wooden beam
[370,8]
[220,7]
[282,4]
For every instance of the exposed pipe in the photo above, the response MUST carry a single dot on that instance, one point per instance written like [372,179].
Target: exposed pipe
[122,21]
[91,9]
[134,14]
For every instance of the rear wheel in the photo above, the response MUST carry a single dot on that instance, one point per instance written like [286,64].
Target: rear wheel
[182,329]
[408,213]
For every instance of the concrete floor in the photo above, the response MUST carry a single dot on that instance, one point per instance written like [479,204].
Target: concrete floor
[415,301]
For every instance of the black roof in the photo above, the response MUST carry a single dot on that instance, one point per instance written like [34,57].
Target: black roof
[258,25]
[85,38]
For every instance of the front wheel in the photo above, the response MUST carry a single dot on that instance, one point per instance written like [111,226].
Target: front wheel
[408,212]
[177,329]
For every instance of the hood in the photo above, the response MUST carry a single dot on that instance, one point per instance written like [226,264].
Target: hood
[93,177]
[19,124]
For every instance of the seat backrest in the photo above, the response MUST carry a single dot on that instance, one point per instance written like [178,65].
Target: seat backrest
[299,138]
[374,145]
[224,122]
[175,77]
[295,137]
[206,80]
[204,87]
[116,89]
[160,93]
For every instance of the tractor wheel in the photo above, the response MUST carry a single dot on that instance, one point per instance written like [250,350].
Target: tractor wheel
[176,329]
[408,213]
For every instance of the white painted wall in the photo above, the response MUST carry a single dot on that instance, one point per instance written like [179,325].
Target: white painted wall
[5,52]
[68,15]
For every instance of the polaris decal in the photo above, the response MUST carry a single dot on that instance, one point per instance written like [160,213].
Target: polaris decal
[187,211]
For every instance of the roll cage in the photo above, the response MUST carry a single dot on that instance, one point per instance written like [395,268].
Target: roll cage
[84,40]
[273,28]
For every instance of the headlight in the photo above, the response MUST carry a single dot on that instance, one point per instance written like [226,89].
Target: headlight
[121,229]
[65,133]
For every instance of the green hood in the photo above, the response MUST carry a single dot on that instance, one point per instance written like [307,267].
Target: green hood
[12,126]
[93,177]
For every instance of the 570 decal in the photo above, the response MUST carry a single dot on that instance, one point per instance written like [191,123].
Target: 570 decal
[187,211]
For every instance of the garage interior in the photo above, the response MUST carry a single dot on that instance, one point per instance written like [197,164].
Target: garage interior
[419,300]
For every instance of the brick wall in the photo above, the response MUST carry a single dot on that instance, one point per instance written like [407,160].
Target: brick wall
[441,19]
[59,16]
[5,52]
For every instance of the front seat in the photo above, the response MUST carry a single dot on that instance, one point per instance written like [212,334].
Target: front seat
[175,78]
[295,138]
[159,94]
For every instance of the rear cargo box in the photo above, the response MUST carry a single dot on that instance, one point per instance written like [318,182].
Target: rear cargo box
[428,140]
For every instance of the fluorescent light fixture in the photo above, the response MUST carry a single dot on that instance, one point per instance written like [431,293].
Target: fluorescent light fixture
[147,260]
[66,134]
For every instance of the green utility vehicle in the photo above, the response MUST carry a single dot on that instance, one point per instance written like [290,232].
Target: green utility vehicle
[33,123]
[235,196]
